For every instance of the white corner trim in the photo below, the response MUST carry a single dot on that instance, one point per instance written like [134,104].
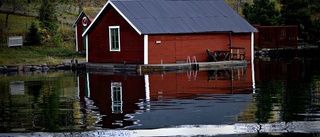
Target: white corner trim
[78,18]
[145,49]
[94,20]
[87,48]
[252,47]
[147,87]
[253,78]
[98,15]
[77,38]
[88,85]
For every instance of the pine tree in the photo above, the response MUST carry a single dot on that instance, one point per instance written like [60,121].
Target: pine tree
[296,12]
[47,17]
[262,12]
[33,36]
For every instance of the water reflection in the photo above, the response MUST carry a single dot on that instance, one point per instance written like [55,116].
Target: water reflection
[291,96]
[281,98]
[155,101]
[37,103]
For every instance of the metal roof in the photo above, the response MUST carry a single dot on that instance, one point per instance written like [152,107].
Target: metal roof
[180,16]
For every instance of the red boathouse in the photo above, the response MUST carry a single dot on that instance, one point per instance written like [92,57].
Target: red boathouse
[82,22]
[165,31]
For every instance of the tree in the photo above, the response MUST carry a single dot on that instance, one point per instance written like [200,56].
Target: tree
[1,30]
[1,2]
[237,5]
[262,12]
[314,31]
[47,17]
[11,7]
[33,36]
[296,12]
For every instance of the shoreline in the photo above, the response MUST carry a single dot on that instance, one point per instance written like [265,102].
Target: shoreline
[20,69]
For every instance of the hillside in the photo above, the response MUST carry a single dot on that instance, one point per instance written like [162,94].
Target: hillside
[19,22]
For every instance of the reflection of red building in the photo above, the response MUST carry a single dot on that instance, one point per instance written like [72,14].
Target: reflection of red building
[276,37]
[116,96]
[181,85]
[277,70]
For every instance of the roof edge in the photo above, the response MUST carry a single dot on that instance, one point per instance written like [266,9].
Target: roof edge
[204,32]
[78,18]
[93,22]
[99,14]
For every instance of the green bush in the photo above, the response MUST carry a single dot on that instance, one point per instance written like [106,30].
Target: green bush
[33,36]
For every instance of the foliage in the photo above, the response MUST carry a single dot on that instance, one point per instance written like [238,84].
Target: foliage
[296,12]
[262,12]
[33,36]
[302,13]
[47,17]
[66,32]
[1,2]
[11,7]
[1,31]
[314,32]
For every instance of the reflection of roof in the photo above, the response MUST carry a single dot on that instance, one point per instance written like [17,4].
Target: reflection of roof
[179,16]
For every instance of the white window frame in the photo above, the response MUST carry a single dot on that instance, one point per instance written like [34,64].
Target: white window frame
[116,105]
[110,38]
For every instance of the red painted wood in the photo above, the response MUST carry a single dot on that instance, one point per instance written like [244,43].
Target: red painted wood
[276,36]
[80,31]
[131,43]
[175,48]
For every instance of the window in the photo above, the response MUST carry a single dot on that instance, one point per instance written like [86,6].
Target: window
[114,38]
[116,97]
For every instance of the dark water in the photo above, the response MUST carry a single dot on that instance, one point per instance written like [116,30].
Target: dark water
[271,98]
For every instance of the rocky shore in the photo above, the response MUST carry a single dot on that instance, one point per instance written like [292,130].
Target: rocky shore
[40,68]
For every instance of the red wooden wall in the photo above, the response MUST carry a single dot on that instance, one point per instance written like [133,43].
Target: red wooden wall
[276,37]
[175,48]
[131,43]
[80,31]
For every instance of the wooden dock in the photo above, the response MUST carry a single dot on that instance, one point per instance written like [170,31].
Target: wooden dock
[160,68]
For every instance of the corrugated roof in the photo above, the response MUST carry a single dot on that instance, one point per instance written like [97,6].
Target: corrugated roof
[180,16]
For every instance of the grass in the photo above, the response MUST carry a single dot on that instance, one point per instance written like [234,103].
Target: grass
[17,25]
[50,54]
[36,55]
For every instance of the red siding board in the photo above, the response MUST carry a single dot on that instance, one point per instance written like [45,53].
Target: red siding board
[131,43]
[79,33]
[175,48]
